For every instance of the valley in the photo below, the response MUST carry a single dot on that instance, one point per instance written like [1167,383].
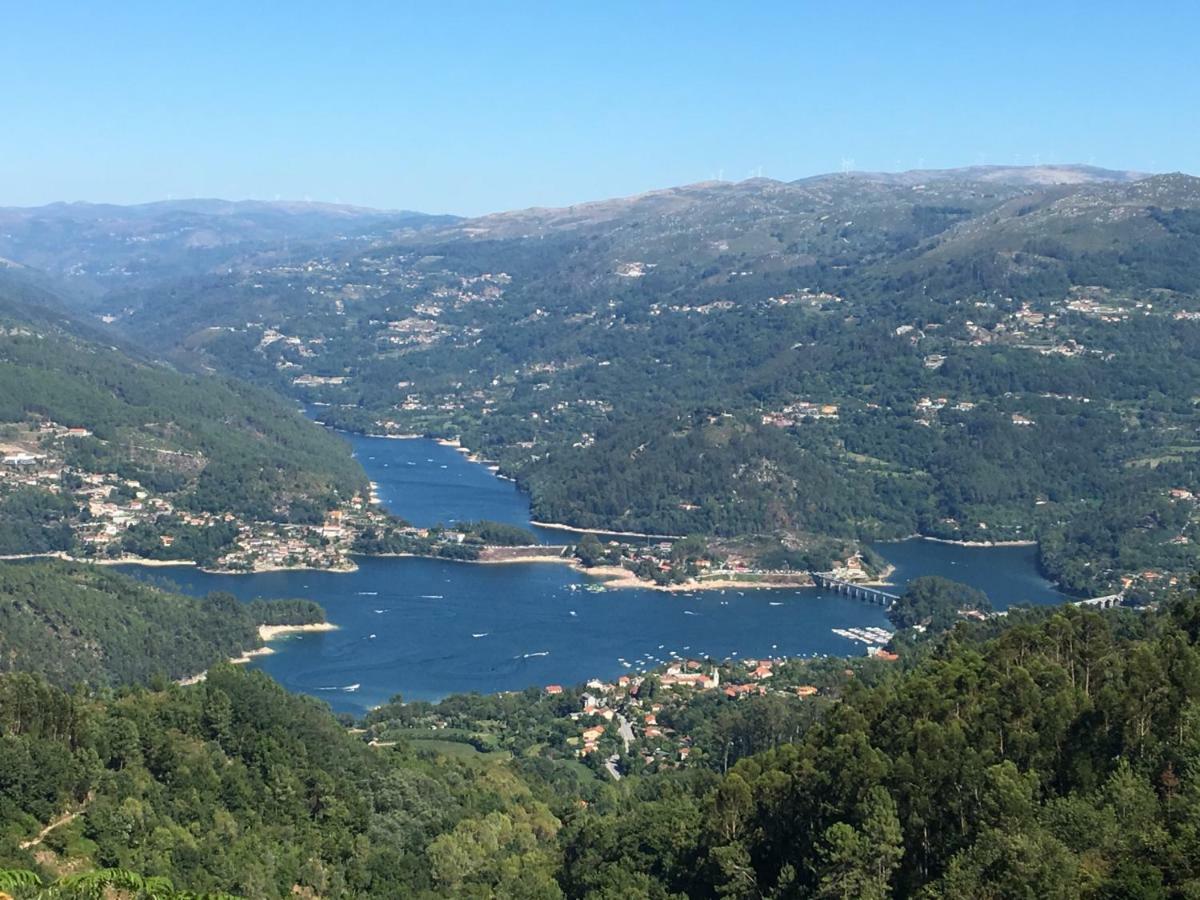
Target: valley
[983,355]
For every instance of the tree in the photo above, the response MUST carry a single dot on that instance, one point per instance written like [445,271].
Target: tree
[934,602]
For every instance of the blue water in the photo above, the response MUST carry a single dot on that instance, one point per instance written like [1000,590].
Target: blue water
[429,483]
[426,628]
[1008,575]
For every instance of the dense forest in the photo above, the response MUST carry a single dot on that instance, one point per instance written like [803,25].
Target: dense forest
[81,625]
[1047,753]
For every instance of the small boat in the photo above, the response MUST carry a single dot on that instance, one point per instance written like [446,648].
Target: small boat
[351,688]
[480,634]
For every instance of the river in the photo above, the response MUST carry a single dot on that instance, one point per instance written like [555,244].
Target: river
[425,628]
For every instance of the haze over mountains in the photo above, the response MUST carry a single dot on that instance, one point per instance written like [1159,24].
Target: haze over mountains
[136,239]
[93,245]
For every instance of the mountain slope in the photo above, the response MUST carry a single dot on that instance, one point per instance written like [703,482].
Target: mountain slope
[93,247]
[76,624]
[1048,753]
[100,444]
[979,354]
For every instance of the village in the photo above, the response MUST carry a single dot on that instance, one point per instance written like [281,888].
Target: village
[104,517]
[640,722]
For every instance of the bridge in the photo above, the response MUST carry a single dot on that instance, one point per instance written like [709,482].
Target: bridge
[1109,602]
[850,588]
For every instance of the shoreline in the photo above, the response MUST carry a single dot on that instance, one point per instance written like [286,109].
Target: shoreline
[266,634]
[546,558]
[558,526]
[613,577]
[473,456]
[142,561]
[619,578]
[983,544]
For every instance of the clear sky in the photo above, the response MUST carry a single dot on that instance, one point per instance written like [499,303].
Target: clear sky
[475,107]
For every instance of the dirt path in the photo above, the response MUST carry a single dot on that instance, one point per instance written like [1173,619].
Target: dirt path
[62,820]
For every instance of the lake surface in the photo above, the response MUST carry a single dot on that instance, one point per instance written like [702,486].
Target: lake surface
[426,628]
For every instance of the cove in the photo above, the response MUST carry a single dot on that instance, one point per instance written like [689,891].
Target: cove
[426,628]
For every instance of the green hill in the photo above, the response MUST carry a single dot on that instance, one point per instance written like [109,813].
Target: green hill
[1003,354]
[84,422]
[1049,753]
[82,625]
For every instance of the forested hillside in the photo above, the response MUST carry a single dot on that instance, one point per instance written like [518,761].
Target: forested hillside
[99,442]
[81,625]
[980,354]
[1051,753]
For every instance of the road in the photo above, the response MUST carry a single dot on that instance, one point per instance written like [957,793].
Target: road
[627,736]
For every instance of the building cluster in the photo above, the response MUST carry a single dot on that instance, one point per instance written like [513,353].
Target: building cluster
[635,711]
[800,411]
[110,505]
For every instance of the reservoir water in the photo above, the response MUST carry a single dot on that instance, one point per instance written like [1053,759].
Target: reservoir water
[426,628]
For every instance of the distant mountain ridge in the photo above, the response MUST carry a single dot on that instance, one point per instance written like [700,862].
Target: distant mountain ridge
[95,245]
[1006,353]
[1018,175]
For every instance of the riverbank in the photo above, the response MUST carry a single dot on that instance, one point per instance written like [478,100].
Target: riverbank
[123,561]
[558,526]
[142,561]
[618,577]
[266,634]
[985,544]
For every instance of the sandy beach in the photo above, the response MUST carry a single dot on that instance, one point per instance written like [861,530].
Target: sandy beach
[636,534]
[938,540]
[544,558]
[269,633]
[266,633]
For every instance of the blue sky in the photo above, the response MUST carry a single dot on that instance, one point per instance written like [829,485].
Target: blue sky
[475,107]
